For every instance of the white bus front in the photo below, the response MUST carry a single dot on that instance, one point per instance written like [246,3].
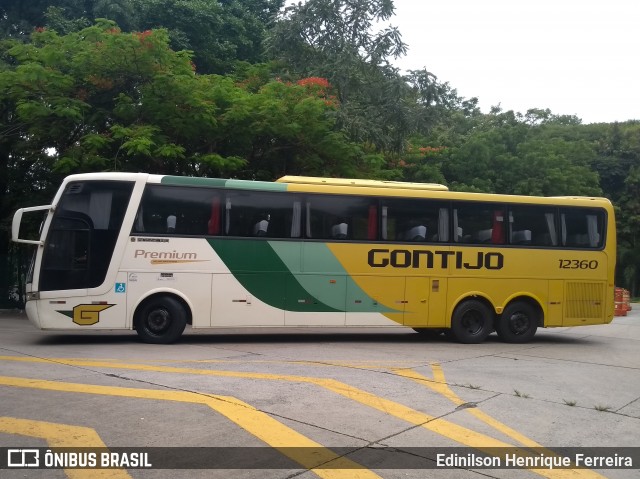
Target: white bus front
[72,280]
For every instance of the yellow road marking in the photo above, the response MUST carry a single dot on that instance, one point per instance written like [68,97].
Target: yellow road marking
[244,361]
[439,385]
[440,426]
[62,435]
[321,364]
[277,435]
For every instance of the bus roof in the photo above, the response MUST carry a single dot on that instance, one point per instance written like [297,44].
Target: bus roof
[311,180]
[346,186]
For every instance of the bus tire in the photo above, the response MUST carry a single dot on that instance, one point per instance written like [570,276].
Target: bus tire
[518,323]
[161,320]
[471,322]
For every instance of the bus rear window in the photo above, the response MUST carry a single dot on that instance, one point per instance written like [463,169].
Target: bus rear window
[582,228]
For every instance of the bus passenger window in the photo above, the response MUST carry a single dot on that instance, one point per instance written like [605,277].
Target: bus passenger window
[532,225]
[340,218]
[178,211]
[415,220]
[262,214]
[479,223]
[582,227]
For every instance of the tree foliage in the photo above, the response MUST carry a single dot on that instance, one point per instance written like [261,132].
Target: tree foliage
[129,102]
[219,33]
[337,40]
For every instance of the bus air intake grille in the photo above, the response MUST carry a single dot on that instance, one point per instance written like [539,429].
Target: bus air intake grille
[584,300]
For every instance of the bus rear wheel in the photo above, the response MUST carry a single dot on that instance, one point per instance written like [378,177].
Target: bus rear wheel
[471,322]
[161,320]
[518,323]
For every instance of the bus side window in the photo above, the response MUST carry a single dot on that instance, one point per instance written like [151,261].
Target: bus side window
[532,225]
[415,220]
[178,211]
[479,223]
[341,218]
[262,214]
[581,227]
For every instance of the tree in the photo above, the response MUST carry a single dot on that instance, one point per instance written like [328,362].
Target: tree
[335,35]
[18,18]
[335,39]
[218,33]
[102,99]
[629,232]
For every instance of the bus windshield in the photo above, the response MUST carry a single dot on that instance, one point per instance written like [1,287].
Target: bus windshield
[83,233]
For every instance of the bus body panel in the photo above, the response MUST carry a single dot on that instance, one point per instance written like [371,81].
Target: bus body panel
[234,306]
[31,308]
[78,311]
[193,288]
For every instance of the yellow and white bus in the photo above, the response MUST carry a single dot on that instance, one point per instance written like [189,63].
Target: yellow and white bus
[154,253]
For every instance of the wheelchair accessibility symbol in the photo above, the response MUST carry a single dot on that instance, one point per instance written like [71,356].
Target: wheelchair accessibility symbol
[121,287]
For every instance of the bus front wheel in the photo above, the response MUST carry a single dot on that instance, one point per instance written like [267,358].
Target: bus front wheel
[518,323]
[161,320]
[471,322]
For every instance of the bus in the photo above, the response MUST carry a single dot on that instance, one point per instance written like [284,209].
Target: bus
[154,253]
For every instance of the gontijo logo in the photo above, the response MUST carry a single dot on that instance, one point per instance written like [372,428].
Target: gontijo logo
[422,258]
[86,314]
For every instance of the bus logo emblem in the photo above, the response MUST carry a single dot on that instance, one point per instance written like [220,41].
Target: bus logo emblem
[86,314]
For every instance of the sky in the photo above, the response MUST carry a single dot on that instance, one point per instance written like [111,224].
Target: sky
[574,57]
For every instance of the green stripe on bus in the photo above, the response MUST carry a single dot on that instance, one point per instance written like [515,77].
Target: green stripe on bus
[260,270]
[222,183]
[256,185]
[325,268]
[193,181]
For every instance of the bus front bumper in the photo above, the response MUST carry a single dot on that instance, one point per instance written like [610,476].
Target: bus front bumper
[31,308]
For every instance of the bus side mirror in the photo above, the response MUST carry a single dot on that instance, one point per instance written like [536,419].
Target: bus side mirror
[17,220]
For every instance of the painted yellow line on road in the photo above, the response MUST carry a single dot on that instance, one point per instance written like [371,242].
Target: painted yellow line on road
[450,430]
[275,434]
[62,435]
[439,385]
[328,363]
[244,361]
